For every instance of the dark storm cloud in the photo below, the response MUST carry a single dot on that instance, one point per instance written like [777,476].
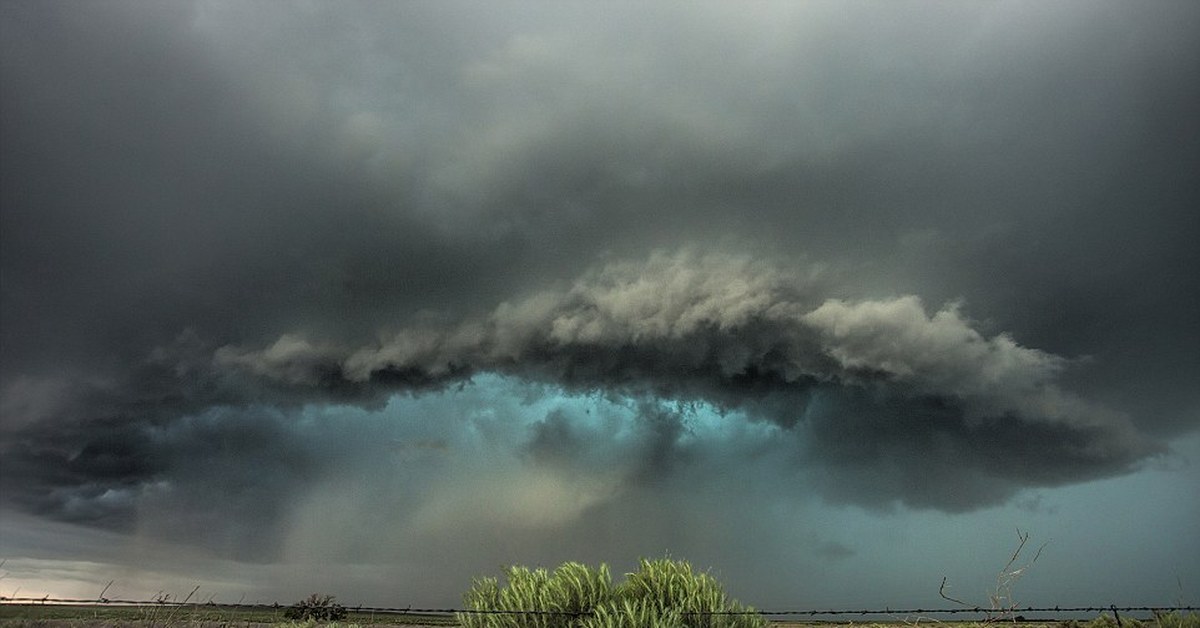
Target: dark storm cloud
[215,214]
[113,461]
[938,414]
[147,190]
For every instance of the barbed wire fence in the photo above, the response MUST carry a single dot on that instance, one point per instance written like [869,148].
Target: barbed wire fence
[166,601]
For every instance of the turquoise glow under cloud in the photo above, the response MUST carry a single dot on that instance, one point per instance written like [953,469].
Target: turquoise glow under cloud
[456,478]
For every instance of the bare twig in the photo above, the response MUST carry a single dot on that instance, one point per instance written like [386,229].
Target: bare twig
[1001,603]
[103,591]
[1023,537]
[942,592]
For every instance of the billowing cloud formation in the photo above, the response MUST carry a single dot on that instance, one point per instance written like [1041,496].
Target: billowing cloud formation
[730,331]
[877,401]
[895,403]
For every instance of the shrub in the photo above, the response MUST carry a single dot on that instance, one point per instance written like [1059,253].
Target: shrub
[660,594]
[316,607]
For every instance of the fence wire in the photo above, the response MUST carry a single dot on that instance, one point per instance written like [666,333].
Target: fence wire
[1007,612]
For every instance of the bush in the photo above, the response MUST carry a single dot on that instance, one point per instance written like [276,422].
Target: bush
[317,608]
[661,593]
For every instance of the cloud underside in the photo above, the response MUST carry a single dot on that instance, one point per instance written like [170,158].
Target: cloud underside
[885,378]
[876,402]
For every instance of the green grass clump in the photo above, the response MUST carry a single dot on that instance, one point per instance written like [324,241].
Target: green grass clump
[1175,620]
[669,585]
[558,599]
[1107,621]
[1158,620]
[661,594]
[633,613]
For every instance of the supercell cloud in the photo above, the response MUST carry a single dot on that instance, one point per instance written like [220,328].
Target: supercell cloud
[926,388]
[395,282]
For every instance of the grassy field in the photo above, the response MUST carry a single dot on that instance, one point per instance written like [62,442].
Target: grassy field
[62,616]
[216,616]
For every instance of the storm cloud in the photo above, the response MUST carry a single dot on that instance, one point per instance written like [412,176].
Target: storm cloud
[929,411]
[538,270]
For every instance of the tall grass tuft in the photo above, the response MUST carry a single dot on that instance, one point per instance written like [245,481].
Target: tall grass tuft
[633,613]
[557,599]
[660,594]
[1175,620]
[1159,619]
[701,601]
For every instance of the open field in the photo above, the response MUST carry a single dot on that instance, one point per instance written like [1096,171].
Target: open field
[203,615]
[216,616]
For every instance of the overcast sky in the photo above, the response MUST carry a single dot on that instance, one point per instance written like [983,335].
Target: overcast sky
[371,298]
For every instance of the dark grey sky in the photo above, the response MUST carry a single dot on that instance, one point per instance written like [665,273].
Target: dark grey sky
[485,276]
